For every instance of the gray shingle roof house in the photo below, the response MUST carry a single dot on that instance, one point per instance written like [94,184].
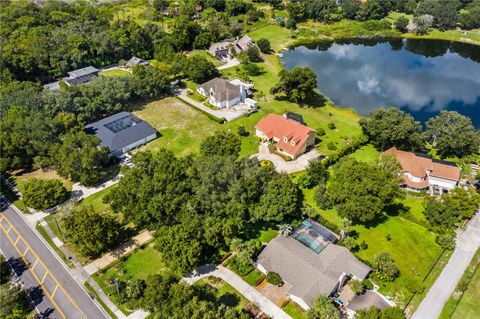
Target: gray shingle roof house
[81,75]
[311,263]
[136,61]
[222,93]
[224,49]
[122,132]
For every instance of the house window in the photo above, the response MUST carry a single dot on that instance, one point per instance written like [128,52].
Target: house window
[285,140]
[293,143]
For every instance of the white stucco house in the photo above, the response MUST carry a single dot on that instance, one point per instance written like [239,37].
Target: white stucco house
[221,93]
[421,172]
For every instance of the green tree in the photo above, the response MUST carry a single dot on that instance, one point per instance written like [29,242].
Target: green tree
[299,84]
[356,286]
[391,127]
[362,191]
[453,134]
[422,23]
[444,12]
[222,143]
[4,270]
[44,194]
[80,158]
[160,5]
[182,246]
[470,19]
[284,229]
[155,82]
[280,200]
[401,24]
[14,301]
[323,308]
[200,70]
[91,232]
[264,45]
[350,8]
[384,268]
[317,171]
[253,54]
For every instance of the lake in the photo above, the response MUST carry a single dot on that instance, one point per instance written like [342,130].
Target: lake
[421,77]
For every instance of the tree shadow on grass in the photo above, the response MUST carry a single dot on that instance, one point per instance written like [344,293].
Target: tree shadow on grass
[229,299]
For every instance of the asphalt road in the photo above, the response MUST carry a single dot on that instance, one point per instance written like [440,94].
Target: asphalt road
[59,290]
[467,244]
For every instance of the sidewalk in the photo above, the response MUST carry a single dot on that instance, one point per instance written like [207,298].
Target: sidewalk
[80,192]
[467,244]
[240,285]
[124,249]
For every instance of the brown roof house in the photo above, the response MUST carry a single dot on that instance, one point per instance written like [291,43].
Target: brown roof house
[421,172]
[290,137]
[311,263]
[222,93]
[225,49]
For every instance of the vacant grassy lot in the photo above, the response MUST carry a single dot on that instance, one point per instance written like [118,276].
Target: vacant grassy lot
[182,128]
[115,72]
[226,294]
[139,265]
[279,37]
[366,153]
[21,179]
[207,56]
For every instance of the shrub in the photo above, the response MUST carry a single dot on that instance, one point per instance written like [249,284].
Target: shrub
[241,131]
[332,126]
[320,131]
[274,279]
[44,194]
[305,181]
[264,45]
[331,146]
[357,286]
[367,284]
[240,267]
[445,241]
[265,163]
[401,24]
[384,267]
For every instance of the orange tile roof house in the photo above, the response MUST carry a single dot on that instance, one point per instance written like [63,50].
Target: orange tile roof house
[421,172]
[291,138]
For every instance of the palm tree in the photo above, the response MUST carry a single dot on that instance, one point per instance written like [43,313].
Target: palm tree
[323,308]
[284,229]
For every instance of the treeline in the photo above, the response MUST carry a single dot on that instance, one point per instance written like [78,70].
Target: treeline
[445,14]
[43,43]
[199,204]
[45,129]
[450,133]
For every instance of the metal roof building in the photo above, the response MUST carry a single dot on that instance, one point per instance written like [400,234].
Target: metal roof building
[122,132]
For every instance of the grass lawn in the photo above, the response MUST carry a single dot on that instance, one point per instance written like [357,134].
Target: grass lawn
[115,72]
[267,235]
[253,277]
[366,153]
[225,293]
[182,128]
[21,179]
[295,311]
[96,200]
[415,204]
[207,56]
[279,37]
[466,305]
[47,238]
[412,247]
[138,265]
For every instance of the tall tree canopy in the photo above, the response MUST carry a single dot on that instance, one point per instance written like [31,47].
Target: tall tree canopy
[453,134]
[391,127]
[44,194]
[299,84]
[362,191]
[222,143]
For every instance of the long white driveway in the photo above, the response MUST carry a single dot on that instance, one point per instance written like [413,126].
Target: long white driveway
[240,285]
[467,244]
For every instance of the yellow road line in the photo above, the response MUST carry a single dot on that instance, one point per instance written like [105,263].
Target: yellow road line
[34,274]
[43,265]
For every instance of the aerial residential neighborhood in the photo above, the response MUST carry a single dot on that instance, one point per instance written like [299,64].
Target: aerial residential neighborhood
[235,159]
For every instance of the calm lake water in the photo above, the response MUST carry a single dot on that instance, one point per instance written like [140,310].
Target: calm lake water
[421,77]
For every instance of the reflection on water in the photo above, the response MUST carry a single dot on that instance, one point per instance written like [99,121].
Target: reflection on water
[418,76]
